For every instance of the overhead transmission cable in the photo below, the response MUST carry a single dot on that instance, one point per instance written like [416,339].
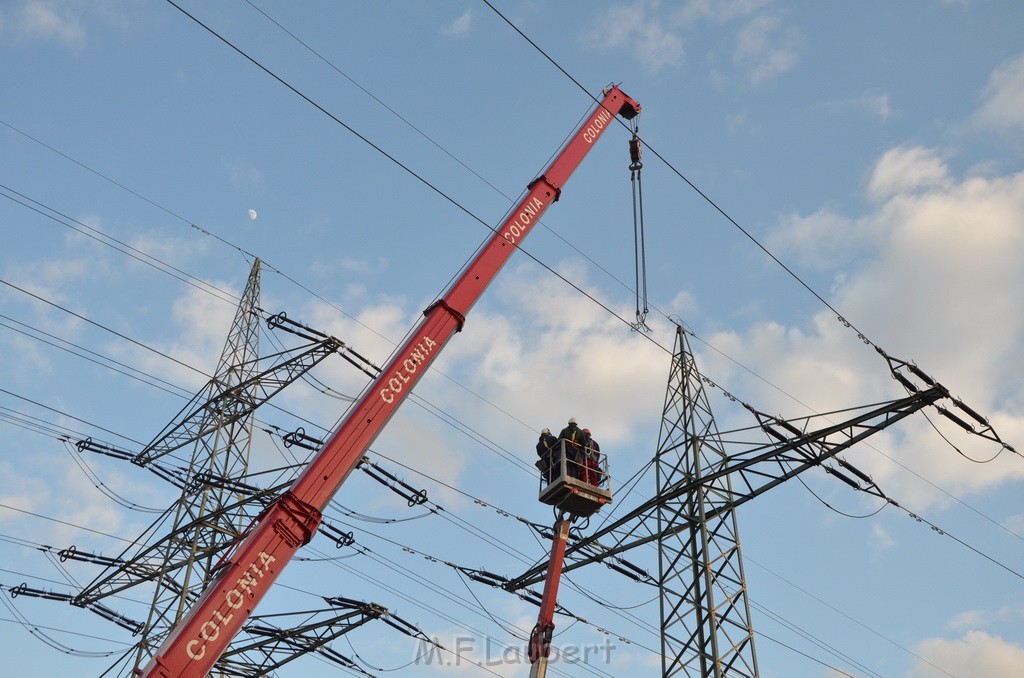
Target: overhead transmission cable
[932,525]
[105,328]
[447,516]
[638,286]
[451,420]
[678,173]
[249,254]
[402,570]
[93,356]
[839,316]
[110,241]
[419,177]
[172,3]
[600,602]
[287,277]
[420,132]
[845,615]
[481,221]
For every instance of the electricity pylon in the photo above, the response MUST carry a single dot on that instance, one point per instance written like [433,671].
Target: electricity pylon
[210,514]
[177,556]
[179,553]
[705,614]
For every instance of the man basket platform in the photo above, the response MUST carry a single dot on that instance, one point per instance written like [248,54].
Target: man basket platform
[577,480]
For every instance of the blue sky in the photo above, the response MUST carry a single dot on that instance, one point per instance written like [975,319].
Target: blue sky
[874,148]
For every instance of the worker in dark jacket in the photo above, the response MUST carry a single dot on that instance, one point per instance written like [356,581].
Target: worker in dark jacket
[591,460]
[547,450]
[574,440]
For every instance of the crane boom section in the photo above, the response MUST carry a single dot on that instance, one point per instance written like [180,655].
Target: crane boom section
[198,641]
[540,637]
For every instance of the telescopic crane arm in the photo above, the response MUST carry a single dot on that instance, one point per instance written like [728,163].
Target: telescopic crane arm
[198,641]
[540,637]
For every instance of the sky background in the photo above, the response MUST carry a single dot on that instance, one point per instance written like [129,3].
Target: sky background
[874,148]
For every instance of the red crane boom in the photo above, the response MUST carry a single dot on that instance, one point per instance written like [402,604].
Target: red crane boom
[540,637]
[198,641]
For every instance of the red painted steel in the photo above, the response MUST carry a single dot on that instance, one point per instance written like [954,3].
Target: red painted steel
[540,637]
[198,641]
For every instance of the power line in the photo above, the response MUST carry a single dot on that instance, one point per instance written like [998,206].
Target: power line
[105,328]
[93,356]
[110,241]
[686,180]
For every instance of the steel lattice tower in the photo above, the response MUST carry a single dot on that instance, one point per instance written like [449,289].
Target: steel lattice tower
[209,514]
[705,610]
[705,613]
[204,451]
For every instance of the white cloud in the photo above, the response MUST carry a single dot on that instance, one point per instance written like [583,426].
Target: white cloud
[71,496]
[977,654]
[822,241]
[363,266]
[882,540]
[584,356]
[716,10]
[78,502]
[907,169]
[684,304]
[49,278]
[460,26]
[1015,524]
[873,103]
[593,367]
[877,104]
[421,443]
[766,48]
[978,619]
[940,281]
[972,619]
[243,174]
[203,322]
[172,250]
[39,20]
[21,492]
[742,123]
[653,45]
[1003,106]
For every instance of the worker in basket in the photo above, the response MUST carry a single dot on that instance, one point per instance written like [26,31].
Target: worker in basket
[591,460]
[547,453]
[574,439]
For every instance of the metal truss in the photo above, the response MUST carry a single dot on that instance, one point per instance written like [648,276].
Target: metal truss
[178,554]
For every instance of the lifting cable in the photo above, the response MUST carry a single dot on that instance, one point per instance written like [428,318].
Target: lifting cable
[639,247]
